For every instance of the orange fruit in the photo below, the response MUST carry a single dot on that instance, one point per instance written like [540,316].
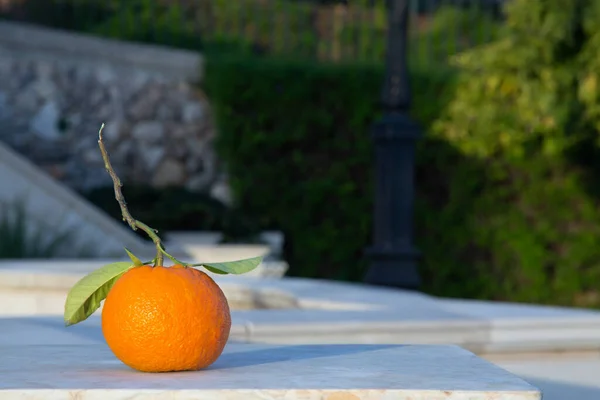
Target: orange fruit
[160,319]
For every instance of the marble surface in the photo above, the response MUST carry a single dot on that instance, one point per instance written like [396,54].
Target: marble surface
[263,372]
[320,312]
[569,377]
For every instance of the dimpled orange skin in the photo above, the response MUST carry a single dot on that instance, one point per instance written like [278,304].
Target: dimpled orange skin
[161,319]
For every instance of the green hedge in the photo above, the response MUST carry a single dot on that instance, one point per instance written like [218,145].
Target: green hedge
[297,142]
[526,106]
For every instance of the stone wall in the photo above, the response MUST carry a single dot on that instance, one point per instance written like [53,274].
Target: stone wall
[56,88]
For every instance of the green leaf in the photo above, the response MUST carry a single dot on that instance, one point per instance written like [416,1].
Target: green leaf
[85,296]
[214,270]
[232,267]
[136,261]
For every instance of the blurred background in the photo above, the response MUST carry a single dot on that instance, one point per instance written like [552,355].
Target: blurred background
[316,31]
[286,128]
[505,92]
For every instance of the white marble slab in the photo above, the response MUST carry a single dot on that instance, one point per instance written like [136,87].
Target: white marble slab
[319,312]
[263,372]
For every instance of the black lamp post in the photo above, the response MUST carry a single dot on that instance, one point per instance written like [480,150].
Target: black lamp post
[393,257]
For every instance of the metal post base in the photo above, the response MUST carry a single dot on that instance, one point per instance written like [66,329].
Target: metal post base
[393,269]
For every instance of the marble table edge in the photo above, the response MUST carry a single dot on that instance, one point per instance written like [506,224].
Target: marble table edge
[496,383]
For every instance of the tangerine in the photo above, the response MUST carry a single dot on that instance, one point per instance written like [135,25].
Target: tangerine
[160,319]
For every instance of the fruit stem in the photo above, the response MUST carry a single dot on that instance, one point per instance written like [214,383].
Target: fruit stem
[132,222]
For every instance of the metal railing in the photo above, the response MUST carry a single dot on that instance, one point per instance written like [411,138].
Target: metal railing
[325,30]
